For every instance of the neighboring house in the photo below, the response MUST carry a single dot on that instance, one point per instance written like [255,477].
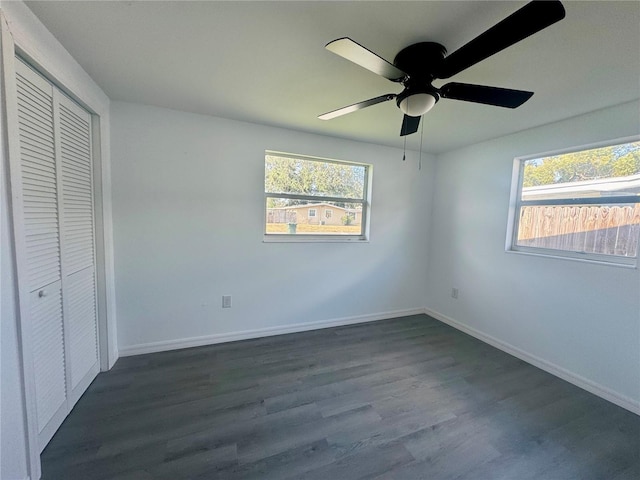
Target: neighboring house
[629,185]
[314,214]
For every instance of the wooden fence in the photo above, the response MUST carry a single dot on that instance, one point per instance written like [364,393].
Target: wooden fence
[611,230]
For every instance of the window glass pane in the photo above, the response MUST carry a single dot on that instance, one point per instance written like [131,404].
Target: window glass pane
[605,171]
[601,229]
[586,201]
[313,177]
[301,217]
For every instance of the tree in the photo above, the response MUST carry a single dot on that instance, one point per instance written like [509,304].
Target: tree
[613,161]
[310,177]
[347,219]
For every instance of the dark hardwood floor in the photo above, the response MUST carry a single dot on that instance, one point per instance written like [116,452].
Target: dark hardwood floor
[408,398]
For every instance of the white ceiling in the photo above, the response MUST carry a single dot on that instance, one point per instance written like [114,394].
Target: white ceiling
[265,62]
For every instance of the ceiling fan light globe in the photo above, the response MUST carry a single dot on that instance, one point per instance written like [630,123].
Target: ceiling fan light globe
[417,104]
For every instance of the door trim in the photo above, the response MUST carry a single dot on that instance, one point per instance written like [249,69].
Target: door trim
[23,328]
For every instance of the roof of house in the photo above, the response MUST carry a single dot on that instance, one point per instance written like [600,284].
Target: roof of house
[606,187]
[313,205]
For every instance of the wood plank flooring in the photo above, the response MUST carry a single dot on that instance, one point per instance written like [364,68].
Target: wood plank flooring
[407,398]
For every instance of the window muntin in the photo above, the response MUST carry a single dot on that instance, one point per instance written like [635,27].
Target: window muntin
[315,198]
[582,204]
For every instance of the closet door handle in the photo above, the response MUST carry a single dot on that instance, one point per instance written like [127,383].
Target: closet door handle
[42,293]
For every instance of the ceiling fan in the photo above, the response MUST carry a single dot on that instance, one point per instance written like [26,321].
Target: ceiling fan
[418,65]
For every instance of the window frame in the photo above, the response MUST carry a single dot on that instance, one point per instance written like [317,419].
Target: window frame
[516,203]
[328,213]
[309,214]
[365,202]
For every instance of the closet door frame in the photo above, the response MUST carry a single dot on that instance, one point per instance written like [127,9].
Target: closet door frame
[20,43]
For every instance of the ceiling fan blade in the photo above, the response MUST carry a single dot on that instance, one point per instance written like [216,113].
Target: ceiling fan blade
[409,125]
[530,19]
[347,48]
[357,106]
[500,97]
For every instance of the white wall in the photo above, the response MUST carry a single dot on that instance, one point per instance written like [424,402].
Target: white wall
[188,207]
[583,318]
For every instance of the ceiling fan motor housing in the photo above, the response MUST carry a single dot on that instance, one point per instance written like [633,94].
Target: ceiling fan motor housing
[421,61]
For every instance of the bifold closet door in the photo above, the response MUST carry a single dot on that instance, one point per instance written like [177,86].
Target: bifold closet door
[40,215]
[59,258]
[77,238]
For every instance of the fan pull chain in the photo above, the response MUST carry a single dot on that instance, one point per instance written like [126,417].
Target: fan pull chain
[404,152]
[421,135]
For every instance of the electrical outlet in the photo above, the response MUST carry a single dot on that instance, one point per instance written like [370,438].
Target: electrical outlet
[226,301]
[454,293]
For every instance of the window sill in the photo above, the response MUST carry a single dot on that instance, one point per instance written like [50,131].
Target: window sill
[311,239]
[586,259]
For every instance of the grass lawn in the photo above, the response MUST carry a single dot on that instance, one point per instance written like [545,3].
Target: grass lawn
[315,229]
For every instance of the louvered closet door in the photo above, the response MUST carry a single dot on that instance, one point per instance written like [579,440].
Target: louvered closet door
[78,267]
[57,212]
[42,248]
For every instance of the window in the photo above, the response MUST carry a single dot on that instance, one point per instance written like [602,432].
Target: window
[579,204]
[297,187]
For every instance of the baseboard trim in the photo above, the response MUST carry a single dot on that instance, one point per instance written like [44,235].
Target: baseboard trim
[163,346]
[578,380]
